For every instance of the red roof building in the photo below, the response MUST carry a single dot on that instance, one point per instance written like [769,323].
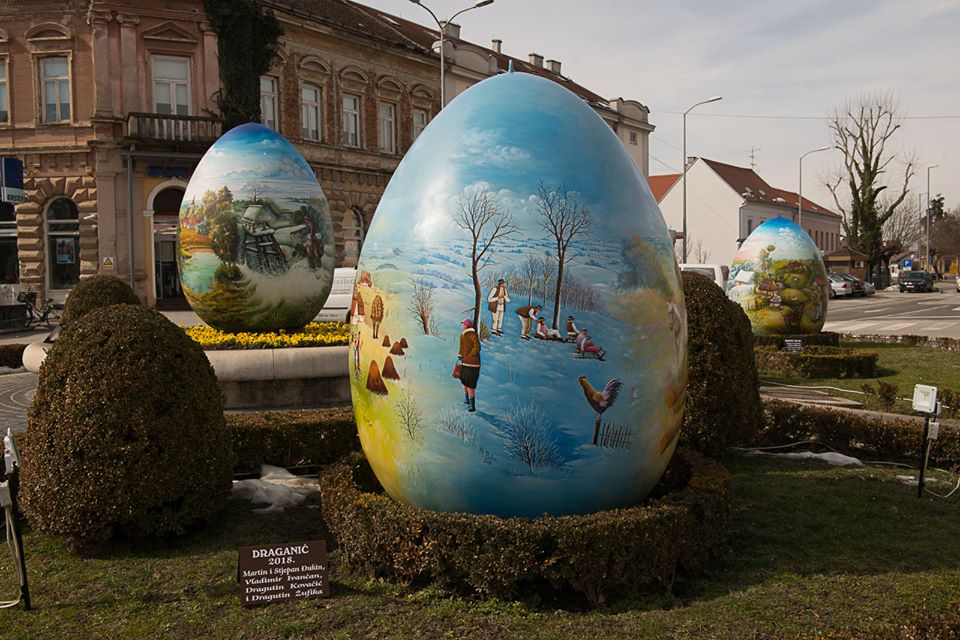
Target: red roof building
[725,203]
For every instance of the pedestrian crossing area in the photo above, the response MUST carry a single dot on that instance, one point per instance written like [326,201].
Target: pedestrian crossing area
[893,325]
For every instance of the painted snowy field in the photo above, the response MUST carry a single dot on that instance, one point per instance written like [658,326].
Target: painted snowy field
[487,462]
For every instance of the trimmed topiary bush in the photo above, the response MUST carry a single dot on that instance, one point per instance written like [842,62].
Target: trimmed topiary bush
[818,362]
[856,433]
[126,435]
[596,555]
[291,438]
[94,293]
[723,392]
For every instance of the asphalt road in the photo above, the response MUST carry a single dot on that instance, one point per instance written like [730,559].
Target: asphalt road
[891,312]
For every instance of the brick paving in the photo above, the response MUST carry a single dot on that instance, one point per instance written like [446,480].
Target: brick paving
[16,393]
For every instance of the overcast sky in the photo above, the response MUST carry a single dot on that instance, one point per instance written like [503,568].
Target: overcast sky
[786,65]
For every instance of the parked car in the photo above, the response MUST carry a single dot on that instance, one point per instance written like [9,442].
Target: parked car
[716,272]
[839,287]
[916,281]
[337,306]
[859,286]
[869,288]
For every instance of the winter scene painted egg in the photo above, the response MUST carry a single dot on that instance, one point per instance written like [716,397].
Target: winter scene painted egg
[779,279]
[255,239]
[518,341]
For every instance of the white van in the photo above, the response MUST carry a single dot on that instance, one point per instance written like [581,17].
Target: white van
[337,306]
[716,272]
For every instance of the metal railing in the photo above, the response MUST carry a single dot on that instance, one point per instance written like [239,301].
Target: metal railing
[160,127]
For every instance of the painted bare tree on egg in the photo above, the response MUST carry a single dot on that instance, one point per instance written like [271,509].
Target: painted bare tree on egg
[486,221]
[564,217]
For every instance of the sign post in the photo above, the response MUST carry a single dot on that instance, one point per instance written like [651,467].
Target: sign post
[287,571]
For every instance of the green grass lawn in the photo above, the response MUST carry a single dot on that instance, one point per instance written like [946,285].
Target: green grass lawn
[812,548]
[901,365]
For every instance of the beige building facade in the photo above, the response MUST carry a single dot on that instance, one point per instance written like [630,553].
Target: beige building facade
[110,104]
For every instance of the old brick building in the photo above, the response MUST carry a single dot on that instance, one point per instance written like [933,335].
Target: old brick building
[111,103]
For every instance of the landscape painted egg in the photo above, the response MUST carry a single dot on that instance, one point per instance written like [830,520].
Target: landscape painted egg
[519,247]
[779,279]
[255,240]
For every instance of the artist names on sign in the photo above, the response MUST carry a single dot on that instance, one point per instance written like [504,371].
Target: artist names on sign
[283,572]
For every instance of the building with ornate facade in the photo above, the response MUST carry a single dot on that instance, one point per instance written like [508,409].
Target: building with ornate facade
[110,104]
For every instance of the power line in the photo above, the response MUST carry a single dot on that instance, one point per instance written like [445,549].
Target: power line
[825,118]
[664,163]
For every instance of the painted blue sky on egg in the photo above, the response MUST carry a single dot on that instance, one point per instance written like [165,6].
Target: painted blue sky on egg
[253,155]
[506,150]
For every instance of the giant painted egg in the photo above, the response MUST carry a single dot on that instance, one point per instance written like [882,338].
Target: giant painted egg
[255,239]
[779,279]
[519,247]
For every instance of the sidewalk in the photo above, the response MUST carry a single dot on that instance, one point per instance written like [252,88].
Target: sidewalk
[183,318]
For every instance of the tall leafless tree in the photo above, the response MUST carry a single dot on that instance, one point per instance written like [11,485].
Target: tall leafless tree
[563,216]
[862,129]
[528,275]
[700,254]
[545,273]
[486,221]
[421,304]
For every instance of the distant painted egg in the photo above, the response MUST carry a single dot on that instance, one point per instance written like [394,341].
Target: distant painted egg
[255,243]
[779,279]
[519,333]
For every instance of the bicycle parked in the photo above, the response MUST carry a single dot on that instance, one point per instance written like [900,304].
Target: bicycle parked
[48,314]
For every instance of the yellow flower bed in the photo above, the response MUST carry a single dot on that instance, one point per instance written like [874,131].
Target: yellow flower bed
[315,334]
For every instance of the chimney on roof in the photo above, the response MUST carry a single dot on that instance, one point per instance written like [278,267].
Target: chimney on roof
[554,66]
[497,43]
[536,60]
[451,30]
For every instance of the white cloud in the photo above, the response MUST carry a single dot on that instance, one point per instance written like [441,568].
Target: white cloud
[482,146]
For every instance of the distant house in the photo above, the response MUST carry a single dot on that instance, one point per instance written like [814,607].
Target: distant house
[725,203]
[365,279]
[843,259]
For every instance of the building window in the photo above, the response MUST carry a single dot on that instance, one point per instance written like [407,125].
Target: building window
[310,112]
[351,121]
[387,126]
[420,120]
[55,89]
[63,243]
[268,101]
[352,237]
[633,137]
[171,85]
[749,227]
[9,258]
[4,96]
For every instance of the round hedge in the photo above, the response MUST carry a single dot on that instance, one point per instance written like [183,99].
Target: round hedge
[723,392]
[126,434]
[94,293]
[677,530]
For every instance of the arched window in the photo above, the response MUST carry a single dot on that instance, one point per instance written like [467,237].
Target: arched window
[9,258]
[63,243]
[353,233]
[167,202]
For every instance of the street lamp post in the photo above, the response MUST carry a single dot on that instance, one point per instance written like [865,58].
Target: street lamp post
[800,195]
[441,24]
[927,264]
[713,99]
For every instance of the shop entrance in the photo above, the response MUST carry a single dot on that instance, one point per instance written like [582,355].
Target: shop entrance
[166,208]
